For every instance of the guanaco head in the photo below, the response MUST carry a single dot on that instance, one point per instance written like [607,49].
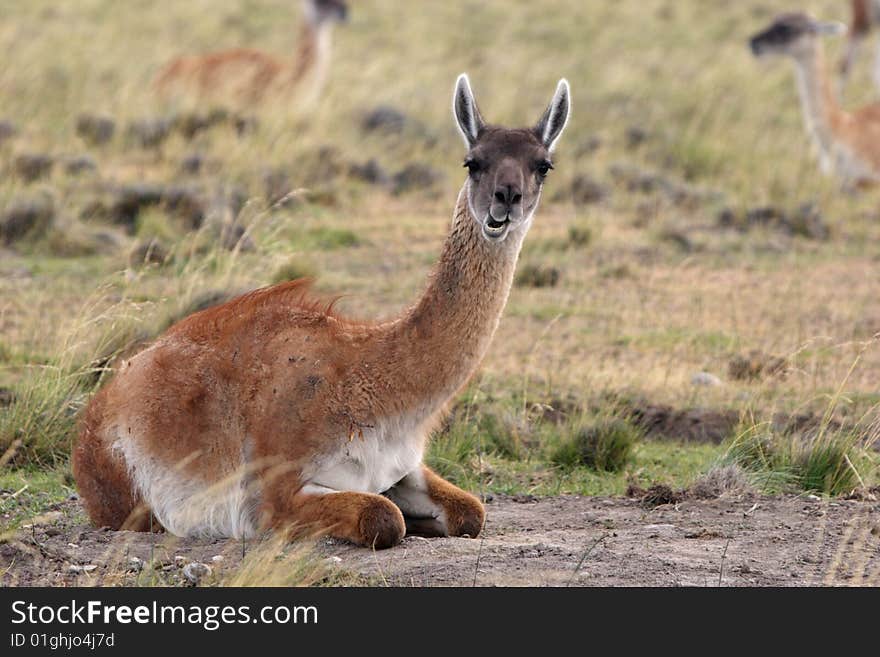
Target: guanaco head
[507,167]
[793,35]
[325,12]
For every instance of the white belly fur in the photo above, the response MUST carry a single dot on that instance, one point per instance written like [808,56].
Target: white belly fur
[374,463]
[186,507]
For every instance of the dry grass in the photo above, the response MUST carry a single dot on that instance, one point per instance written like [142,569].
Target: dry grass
[651,289]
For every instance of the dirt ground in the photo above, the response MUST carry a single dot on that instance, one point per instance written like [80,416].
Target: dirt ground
[558,541]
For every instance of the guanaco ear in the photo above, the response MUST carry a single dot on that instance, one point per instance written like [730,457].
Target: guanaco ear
[830,28]
[555,117]
[464,108]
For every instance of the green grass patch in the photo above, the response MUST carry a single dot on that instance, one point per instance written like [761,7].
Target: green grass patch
[330,238]
[27,493]
[495,449]
[828,462]
[605,445]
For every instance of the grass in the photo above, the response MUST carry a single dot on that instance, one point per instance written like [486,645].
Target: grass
[605,445]
[631,293]
[829,463]
[492,448]
[26,493]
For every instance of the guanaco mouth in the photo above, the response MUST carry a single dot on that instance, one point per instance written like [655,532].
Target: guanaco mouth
[494,229]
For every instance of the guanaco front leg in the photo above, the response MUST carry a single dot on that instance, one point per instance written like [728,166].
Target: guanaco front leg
[432,506]
[362,518]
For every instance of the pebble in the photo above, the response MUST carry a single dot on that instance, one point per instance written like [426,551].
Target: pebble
[74,568]
[705,379]
[195,571]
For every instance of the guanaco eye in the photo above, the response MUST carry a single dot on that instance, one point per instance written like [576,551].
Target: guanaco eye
[544,168]
[473,166]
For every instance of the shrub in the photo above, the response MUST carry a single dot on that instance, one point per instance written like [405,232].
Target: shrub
[292,269]
[821,463]
[606,445]
[537,276]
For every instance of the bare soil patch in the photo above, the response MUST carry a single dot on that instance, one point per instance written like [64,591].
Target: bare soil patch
[580,541]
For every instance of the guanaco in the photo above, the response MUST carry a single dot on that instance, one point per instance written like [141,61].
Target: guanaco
[271,411]
[864,17]
[249,76]
[848,143]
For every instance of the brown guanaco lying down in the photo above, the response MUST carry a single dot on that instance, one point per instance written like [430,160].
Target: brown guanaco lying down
[272,411]
[249,76]
[848,142]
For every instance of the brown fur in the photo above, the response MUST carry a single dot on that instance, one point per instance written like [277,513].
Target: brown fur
[103,480]
[861,20]
[247,75]
[273,384]
[850,140]
[864,16]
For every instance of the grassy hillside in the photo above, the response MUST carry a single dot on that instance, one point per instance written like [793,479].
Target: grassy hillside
[690,272]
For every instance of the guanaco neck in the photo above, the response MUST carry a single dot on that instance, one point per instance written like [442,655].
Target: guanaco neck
[312,54]
[820,107]
[438,344]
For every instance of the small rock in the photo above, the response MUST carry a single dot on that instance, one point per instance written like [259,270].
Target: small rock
[705,379]
[814,498]
[334,559]
[135,565]
[95,130]
[74,568]
[32,166]
[217,558]
[195,571]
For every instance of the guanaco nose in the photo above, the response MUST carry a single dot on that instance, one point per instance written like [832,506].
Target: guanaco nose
[509,195]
